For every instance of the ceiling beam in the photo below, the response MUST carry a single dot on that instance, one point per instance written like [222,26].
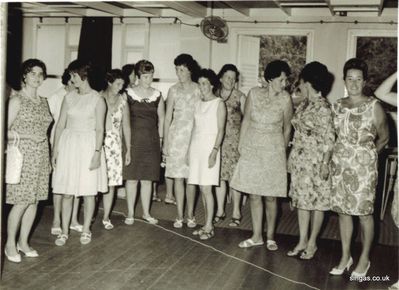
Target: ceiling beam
[152,11]
[328,2]
[287,11]
[104,7]
[233,5]
[380,7]
[190,8]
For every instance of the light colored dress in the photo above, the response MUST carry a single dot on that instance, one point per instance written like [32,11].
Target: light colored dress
[180,131]
[231,138]
[32,118]
[76,148]
[202,142]
[261,168]
[113,143]
[314,136]
[354,159]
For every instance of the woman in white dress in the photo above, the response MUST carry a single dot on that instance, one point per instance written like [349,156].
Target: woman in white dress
[204,150]
[78,158]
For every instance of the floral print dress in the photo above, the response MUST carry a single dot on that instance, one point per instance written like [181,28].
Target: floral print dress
[354,159]
[314,136]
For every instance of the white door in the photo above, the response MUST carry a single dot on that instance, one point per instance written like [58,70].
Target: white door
[248,62]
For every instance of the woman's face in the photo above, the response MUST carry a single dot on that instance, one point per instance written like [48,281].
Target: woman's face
[76,79]
[132,78]
[303,88]
[183,74]
[35,77]
[146,79]
[278,84]
[116,86]
[354,82]
[228,80]
[205,86]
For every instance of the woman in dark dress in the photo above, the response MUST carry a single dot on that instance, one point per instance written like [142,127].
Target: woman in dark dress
[146,117]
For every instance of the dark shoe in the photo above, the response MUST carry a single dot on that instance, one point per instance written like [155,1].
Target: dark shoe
[218,219]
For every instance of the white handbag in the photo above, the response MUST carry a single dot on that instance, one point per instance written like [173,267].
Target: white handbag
[14,161]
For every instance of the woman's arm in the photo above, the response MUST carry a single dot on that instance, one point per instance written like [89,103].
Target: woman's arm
[380,123]
[242,102]
[161,118]
[288,112]
[246,120]
[127,133]
[170,104]
[221,122]
[383,92]
[61,123]
[100,119]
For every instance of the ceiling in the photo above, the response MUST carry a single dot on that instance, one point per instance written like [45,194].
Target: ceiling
[199,9]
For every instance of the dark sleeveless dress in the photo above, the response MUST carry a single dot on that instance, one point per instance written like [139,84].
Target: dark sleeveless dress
[145,146]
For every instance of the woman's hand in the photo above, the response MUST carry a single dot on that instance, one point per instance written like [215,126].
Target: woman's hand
[95,160]
[212,158]
[127,157]
[324,171]
[54,158]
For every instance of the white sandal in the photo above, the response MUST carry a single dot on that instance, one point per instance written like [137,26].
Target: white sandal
[61,240]
[107,225]
[85,238]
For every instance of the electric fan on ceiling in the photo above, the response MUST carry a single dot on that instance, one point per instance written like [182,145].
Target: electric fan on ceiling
[214,28]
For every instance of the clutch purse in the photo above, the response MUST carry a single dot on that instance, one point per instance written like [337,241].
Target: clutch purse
[14,161]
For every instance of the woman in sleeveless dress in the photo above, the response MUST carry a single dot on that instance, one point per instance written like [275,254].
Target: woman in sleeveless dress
[204,150]
[179,117]
[78,157]
[362,132]
[264,136]
[29,117]
[117,122]
[146,119]
[235,101]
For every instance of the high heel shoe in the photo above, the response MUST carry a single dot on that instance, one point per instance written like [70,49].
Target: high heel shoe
[16,258]
[30,254]
[308,254]
[295,252]
[357,275]
[337,272]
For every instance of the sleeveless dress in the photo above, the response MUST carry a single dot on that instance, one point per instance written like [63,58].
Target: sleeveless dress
[314,136]
[202,142]
[261,168]
[32,118]
[180,131]
[145,145]
[113,144]
[76,148]
[229,149]
[354,159]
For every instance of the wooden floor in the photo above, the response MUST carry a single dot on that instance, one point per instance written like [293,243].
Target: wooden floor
[144,256]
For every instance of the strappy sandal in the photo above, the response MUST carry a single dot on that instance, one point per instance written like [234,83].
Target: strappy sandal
[271,245]
[191,223]
[129,221]
[107,225]
[198,232]
[61,240]
[55,231]
[235,222]
[218,219]
[85,238]
[308,254]
[249,243]
[207,235]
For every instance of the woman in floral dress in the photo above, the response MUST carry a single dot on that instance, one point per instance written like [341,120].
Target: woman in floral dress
[310,155]
[117,122]
[179,117]
[362,132]
[234,101]
[29,116]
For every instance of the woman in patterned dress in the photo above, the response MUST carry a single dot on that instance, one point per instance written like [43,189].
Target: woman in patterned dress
[261,168]
[310,155]
[179,117]
[362,132]
[235,101]
[117,122]
[29,116]
[146,120]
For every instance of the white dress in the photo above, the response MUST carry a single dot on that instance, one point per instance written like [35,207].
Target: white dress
[202,142]
[76,147]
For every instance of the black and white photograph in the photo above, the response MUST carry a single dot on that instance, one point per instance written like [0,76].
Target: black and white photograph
[192,145]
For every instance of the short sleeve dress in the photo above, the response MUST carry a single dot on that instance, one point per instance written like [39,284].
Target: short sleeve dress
[32,118]
[354,159]
[180,130]
[261,168]
[231,138]
[145,144]
[76,147]
[314,136]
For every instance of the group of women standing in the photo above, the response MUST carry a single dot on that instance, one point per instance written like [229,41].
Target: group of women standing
[210,135]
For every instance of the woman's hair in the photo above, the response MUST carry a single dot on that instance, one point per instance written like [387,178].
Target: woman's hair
[229,67]
[29,64]
[358,64]
[127,70]
[318,76]
[65,77]
[143,67]
[82,68]
[275,68]
[113,75]
[211,76]
[190,63]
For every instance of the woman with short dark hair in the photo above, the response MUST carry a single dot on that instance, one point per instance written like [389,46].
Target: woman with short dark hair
[261,168]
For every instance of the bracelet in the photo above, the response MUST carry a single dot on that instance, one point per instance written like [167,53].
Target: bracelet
[215,148]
